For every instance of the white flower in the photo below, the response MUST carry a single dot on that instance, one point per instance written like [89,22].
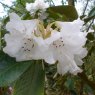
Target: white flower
[38,5]
[21,42]
[68,47]
[28,39]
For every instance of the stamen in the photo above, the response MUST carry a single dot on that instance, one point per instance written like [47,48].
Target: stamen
[29,39]
[54,43]
[28,50]
[59,45]
[25,50]
[32,45]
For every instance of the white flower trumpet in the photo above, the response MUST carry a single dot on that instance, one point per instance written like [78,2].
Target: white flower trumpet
[29,40]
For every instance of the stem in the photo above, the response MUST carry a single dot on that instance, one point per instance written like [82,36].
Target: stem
[86,80]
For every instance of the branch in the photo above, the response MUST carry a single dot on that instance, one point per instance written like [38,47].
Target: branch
[86,80]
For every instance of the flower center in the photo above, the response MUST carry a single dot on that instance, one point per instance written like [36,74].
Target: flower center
[58,43]
[28,45]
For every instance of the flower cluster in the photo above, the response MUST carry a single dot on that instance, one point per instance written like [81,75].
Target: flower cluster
[39,8]
[30,40]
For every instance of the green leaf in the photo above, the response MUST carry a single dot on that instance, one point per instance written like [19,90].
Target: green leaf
[92,12]
[70,84]
[67,12]
[10,70]
[90,36]
[88,89]
[91,15]
[31,82]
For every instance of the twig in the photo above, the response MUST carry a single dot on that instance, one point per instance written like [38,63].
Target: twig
[85,7]
[90,25]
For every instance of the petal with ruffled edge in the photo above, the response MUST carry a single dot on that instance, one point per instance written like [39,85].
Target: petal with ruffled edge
[21,41]
[74,39]
[67,45]
[18,25]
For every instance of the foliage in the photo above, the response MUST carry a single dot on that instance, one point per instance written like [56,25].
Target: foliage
[66,13]
[31,82]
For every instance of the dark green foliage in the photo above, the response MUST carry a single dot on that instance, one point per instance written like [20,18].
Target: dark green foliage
[31,82]
[10,70]
[65,13]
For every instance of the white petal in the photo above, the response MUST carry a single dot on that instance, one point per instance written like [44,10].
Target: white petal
[55,35]
[29,6]
[23,26]
[13,44]
[67,64]
[78,60]
[14,16]
[49,58]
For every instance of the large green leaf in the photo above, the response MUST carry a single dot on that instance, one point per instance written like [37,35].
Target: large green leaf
[10,70]
[31,82]
[91,15]
[65,12]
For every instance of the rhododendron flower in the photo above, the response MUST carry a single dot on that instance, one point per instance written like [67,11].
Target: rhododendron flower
[21,42]
[38,5]
[29,39]
[68,49]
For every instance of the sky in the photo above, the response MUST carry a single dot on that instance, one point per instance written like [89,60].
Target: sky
[57,2]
